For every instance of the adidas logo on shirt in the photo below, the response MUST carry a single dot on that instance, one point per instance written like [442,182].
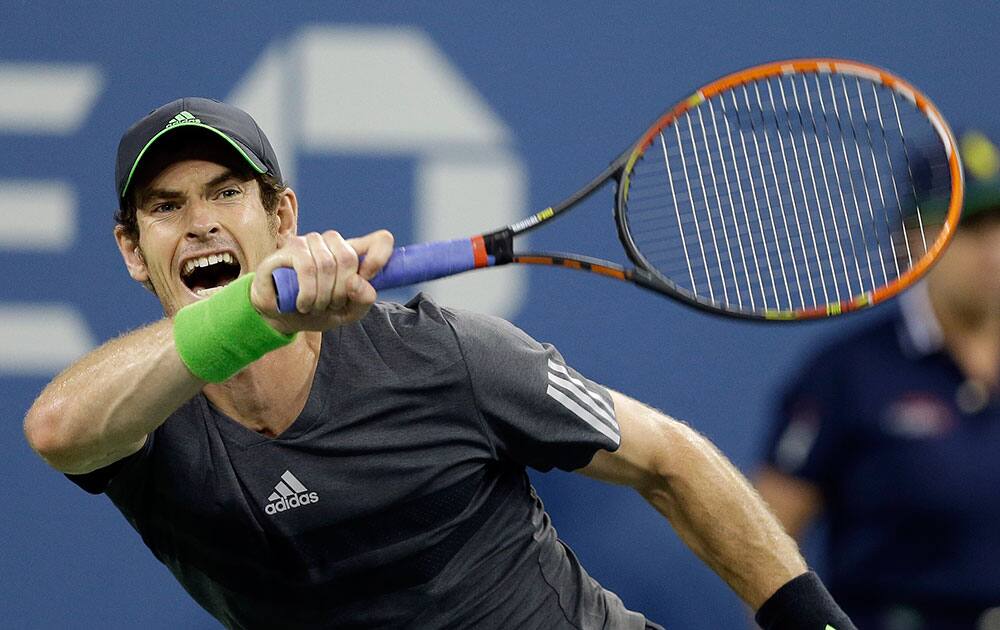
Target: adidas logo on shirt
[289,493]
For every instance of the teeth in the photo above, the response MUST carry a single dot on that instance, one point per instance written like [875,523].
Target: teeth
[205,261]
[207,292]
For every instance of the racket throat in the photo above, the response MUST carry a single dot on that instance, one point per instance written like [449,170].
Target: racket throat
[648,280]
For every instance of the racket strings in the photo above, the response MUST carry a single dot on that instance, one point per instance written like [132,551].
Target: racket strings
[785,193]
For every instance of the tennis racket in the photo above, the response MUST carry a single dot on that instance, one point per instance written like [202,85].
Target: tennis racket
[787,191]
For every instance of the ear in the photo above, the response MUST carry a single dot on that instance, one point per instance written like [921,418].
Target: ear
[132,255]
[287,214]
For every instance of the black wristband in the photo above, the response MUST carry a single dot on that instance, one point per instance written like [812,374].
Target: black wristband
[803,604]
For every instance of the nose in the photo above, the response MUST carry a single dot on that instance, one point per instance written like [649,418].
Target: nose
[202,221]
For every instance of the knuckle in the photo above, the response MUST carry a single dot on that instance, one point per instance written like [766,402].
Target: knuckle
[386,235]
[299,243]
[326,264]
[346,256]
[308,268]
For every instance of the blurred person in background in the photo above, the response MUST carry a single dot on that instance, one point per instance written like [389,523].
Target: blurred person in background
[892,434]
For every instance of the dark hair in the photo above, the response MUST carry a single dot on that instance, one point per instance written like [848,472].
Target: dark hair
[192,143]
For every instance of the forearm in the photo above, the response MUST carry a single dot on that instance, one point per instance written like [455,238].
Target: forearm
[720,517]
[101,408]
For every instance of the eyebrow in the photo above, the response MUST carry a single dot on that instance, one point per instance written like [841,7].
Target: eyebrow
[164,193]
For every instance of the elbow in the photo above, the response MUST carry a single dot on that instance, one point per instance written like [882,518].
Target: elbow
[47,436]
[68,441]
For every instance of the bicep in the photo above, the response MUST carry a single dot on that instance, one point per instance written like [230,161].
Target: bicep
[99,479]
[794,501]
[108,458]
[645,438]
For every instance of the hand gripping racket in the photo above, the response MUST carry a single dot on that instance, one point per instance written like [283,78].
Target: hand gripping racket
[790,190]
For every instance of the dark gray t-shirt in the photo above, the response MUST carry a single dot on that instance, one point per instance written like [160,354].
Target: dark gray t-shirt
[397,499]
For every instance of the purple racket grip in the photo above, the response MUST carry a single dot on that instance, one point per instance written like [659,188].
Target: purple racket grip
[425,261]
[286,284]
[408,265]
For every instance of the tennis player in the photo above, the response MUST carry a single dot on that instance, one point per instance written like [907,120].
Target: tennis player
[892,434]
[360,464]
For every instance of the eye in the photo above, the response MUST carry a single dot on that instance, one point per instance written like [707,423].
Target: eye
[163,207]
[229,193]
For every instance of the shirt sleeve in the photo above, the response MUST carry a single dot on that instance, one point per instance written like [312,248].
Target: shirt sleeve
[538,411]
[809,434]
[100,480]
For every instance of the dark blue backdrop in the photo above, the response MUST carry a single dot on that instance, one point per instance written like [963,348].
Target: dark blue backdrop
[556,91]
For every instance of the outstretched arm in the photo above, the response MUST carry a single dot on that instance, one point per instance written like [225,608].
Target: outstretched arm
[101,409]
[709,503]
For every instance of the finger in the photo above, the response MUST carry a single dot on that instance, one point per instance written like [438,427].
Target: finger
[305,268]
[361,291]
[361,296]
[326,271]
[262,291]
[376,248]
[347,266]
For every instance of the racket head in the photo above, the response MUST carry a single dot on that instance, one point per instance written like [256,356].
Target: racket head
[791,190]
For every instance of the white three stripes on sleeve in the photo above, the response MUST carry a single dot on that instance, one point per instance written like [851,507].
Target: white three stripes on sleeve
[587,405]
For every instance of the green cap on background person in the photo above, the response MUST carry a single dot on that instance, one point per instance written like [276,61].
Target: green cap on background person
[981,159]
[981,168]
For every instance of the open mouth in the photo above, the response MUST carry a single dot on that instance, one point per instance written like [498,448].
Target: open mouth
[205,274]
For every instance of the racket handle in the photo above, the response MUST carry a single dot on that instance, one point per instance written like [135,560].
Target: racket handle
[407,265]
[286,285]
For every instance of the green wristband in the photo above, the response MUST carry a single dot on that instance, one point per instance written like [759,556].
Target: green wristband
[220,336]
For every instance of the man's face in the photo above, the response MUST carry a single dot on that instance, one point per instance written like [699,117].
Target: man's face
[968,274]
[201,225]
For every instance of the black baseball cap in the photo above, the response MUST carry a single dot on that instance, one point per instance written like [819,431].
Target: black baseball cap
[232,124]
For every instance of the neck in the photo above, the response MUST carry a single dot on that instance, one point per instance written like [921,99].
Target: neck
[268,395]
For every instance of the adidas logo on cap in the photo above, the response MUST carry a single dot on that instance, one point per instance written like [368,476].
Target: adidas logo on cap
[289,493]
[181,118]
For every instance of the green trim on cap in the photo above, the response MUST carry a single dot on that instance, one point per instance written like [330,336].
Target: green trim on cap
[185,125]
[981,159]
[980,197]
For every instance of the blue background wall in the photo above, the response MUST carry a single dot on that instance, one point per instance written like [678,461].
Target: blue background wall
[573,85]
